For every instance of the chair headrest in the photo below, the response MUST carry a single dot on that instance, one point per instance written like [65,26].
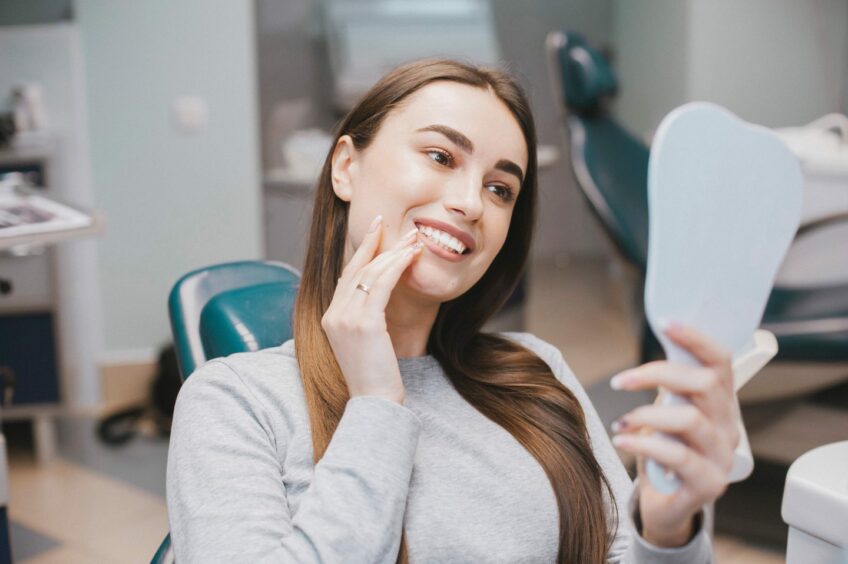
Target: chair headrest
[248,319]
[587,76]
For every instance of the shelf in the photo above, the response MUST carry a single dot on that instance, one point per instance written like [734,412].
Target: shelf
[53,237]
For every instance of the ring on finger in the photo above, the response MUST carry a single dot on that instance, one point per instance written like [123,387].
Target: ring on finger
[363,287]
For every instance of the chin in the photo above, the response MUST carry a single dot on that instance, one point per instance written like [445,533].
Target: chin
[433,282]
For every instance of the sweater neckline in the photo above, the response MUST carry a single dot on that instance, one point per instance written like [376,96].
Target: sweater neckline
[414,363]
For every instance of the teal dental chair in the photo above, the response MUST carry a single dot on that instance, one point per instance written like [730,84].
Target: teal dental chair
[229,308]
[611,169]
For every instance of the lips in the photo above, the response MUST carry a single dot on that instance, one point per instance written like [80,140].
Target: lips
[463,237]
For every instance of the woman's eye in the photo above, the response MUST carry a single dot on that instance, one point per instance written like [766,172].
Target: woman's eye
[441,157]
[505,193]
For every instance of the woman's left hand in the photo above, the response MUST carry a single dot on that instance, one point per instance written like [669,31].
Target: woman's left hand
[707,428]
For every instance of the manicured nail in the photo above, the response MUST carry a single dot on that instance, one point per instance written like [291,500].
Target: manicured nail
[619,425]
[412,232]
[413,248]
[620,381]
[665,324]
[374,223]
[622,441]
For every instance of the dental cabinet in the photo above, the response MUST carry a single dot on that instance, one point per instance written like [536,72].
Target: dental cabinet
[31,346]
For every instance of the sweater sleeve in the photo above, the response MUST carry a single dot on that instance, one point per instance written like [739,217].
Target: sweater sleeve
[226,496]
[628,546]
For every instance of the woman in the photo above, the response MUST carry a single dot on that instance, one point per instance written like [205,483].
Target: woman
[392,429]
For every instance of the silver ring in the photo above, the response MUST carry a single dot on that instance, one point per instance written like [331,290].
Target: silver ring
[364,288]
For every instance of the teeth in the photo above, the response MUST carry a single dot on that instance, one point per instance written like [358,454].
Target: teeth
[443,239]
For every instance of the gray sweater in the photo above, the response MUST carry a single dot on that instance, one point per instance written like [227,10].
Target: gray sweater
[242,486]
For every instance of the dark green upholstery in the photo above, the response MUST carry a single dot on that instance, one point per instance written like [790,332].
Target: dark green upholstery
[247,319]
[229,308]
[192,293]
[163,553]
[586,76]
[611,168]
[614,166]
[811,324]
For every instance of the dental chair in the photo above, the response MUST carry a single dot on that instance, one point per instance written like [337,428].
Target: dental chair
[809,323]
[228,308]
[611,169]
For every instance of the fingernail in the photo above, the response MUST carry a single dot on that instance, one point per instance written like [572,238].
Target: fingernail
[374,223]
[619,381]
[412,232]
[621,440]
[666,324]
[413,248]
[619,424]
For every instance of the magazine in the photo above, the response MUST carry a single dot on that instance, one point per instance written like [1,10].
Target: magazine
[31,214]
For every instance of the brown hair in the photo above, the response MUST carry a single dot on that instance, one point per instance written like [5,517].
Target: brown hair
[506,382]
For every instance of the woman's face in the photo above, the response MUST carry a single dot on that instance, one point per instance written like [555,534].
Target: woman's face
[449,161]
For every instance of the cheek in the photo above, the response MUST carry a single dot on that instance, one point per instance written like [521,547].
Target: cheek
[497,231]
[391,188]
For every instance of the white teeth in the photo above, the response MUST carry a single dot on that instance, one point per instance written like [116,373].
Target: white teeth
[444,239]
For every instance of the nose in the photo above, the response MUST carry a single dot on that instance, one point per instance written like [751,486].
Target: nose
[465,197]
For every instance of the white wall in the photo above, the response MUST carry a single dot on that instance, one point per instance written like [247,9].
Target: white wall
[651,48]
[774,62]
[173,201]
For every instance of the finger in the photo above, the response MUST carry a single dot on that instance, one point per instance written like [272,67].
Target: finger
[685,421]
[702,386]
[698,473]
[702,347]
[678,378]
[390,277]
[349,281]
[370,275]
[367,248]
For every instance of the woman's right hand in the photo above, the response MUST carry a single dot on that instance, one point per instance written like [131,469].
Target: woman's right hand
[355,322]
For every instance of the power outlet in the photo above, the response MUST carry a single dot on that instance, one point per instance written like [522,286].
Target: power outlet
[190,114]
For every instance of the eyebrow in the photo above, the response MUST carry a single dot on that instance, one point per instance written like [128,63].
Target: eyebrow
[466,145]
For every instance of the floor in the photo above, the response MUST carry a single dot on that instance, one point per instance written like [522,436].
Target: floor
[97,504]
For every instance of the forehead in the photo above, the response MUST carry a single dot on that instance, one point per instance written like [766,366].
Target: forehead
[476,112]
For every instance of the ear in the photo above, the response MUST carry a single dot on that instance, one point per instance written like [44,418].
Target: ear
[343,165]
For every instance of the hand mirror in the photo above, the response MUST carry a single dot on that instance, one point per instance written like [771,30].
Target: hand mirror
[724,200]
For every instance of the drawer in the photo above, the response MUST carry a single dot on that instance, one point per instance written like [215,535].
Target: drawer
[28,347]
[31,279]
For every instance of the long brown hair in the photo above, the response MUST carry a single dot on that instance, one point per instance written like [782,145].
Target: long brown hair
[506,382]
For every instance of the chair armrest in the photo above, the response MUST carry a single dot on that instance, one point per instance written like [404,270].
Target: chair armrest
[762,349]
[745,367]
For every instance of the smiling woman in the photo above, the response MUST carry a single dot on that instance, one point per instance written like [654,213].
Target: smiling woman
[445,161]
[391,428]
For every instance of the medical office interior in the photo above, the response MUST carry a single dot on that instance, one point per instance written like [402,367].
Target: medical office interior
[177,135]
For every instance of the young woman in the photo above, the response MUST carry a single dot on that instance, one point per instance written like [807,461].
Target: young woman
[392,429]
